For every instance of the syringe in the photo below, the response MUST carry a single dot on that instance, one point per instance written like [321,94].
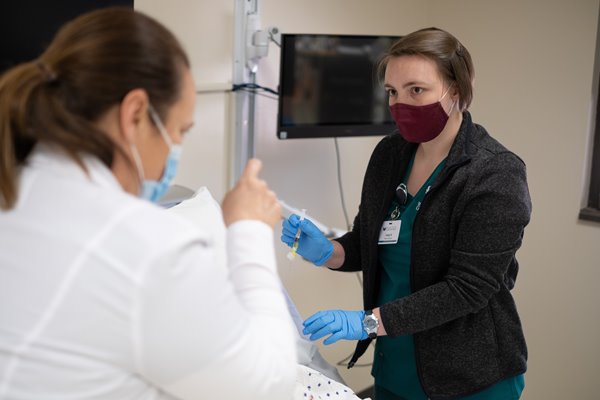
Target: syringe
[292,254]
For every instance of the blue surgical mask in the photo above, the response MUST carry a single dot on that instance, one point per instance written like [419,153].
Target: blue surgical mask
[152,190]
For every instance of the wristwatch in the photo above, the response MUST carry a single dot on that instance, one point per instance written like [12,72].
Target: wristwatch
[370,324]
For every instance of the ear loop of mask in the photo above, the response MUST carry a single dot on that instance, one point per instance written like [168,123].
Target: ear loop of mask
[444,95]
[137,160]
[134,151]
[161,128]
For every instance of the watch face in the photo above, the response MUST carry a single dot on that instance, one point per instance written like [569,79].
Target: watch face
[370,323]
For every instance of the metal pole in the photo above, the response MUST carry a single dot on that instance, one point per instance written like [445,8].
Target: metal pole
[242,145]
[250,151]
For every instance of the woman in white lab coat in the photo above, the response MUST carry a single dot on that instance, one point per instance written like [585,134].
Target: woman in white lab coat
[104,295]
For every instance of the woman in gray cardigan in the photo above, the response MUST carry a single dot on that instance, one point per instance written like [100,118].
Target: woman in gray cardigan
[442,214]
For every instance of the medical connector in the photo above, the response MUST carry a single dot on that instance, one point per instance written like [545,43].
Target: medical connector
[292,254]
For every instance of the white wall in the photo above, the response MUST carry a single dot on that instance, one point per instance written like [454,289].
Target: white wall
[534,67]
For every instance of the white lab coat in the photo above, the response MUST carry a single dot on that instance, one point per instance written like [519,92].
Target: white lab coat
[105,296]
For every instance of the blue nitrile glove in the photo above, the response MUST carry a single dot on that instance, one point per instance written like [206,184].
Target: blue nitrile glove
[340,324]
[312,245]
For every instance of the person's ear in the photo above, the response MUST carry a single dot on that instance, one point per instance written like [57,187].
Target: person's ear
[133,112]
[454,92]
[454,95]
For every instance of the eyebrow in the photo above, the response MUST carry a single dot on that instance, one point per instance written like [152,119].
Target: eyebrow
[407,84]
[413,83]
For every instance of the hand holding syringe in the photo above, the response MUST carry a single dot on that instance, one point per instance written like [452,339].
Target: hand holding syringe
[292,254]
[304,237]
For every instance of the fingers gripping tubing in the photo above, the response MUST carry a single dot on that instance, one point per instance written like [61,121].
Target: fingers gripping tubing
[312,244]
[338,324]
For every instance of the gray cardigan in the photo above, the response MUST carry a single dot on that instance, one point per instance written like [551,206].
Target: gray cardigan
[466,329]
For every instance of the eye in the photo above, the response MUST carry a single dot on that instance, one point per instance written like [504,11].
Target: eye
[391,92]
[417,90]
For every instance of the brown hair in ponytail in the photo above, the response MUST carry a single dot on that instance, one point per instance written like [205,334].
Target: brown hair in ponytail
[91,64]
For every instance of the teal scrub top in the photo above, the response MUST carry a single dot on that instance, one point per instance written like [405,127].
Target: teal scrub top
[394,367]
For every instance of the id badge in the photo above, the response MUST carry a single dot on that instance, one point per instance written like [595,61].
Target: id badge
[390,231]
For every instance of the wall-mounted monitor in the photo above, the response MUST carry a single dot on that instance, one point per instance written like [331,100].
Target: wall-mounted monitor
[328,86]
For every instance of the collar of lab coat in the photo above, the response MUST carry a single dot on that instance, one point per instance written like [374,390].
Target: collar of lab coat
[56,161]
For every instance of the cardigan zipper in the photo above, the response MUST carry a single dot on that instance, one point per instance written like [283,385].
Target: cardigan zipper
[433,187]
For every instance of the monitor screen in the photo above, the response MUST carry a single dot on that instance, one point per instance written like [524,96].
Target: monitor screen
[328,86]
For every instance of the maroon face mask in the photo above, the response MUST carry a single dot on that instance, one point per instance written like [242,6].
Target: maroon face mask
[419,124]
